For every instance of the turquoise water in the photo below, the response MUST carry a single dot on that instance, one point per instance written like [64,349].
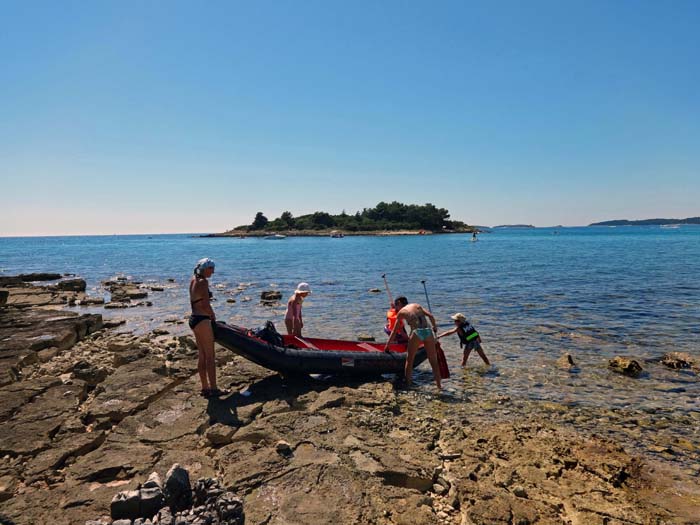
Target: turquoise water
[533,294]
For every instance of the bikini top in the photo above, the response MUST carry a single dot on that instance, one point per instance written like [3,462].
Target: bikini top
[202,298]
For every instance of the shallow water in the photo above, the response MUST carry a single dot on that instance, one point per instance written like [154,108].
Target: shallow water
[532,294]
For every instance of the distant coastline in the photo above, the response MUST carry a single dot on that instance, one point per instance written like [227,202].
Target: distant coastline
[514,226]
[647,222]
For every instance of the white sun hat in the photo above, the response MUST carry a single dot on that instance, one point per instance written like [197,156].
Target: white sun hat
[303,288]
[459,317]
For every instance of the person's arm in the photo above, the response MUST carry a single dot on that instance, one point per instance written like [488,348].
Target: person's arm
[399,322]
[448,332]
[432,319]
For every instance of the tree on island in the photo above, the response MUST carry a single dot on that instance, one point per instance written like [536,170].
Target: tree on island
[384,216]
[259,222]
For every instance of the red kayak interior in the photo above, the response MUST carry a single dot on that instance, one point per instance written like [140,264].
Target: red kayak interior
[313,343]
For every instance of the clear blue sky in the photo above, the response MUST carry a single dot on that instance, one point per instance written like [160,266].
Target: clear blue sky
[126,117]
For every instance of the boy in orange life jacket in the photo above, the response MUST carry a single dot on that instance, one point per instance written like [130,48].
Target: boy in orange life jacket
[391,316]
[468,338]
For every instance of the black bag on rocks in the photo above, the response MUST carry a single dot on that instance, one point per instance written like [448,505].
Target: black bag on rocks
[269,334]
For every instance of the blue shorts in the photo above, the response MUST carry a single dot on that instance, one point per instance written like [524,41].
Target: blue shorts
[423,333]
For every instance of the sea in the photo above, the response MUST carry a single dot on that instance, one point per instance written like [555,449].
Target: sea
[534,294]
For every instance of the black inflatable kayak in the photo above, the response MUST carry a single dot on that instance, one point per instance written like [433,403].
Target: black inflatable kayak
[310,355]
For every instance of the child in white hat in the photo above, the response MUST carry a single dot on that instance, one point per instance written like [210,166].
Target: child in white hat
[292,317]
[469,338]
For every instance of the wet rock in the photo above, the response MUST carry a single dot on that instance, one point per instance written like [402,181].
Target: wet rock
[72,285]
[4,294]
[178,492]
[626,366]
[270,296]
[374,290]
[30,277]
[679,360]
[566,361]
[230,300]
[126,292]
[113,323]
[157,288]
[115,305]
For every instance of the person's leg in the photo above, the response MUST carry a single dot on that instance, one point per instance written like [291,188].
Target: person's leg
[290,326]
[467,353]
[429,344]
[413,344]
[200,337]
[207,335]
[481,353]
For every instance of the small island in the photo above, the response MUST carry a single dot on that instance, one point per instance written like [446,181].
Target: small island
[514,226]
[392,218]
[648,222]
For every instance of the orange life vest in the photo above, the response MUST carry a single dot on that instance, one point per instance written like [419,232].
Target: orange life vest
[391,318]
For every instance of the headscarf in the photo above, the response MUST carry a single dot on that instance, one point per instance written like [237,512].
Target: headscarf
[202,265]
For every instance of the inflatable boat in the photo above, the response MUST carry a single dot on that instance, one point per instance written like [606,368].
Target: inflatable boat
[307,355]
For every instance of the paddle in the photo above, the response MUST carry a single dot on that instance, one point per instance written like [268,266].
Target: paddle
[391,303]
[386,285]
[442,361]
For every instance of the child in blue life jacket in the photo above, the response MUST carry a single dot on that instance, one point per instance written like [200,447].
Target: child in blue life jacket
[468,338]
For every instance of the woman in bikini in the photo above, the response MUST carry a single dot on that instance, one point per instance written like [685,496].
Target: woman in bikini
[421,334]
[201,324]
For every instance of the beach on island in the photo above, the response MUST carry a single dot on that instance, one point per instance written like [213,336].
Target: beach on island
[99,390]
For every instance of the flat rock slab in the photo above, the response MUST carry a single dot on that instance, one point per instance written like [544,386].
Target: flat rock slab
[34,426]
[181,413]
[129,389]
[27,331]
[18,394]
[114,461]
[318,494]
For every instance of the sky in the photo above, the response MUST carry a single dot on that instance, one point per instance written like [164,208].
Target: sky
[156,117]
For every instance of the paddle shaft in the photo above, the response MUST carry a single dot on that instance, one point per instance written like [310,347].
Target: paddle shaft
[427,299]
[388,292]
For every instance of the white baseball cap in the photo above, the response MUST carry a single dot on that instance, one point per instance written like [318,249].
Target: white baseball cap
[459,317]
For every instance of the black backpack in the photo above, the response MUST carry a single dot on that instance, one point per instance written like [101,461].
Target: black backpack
[269,334]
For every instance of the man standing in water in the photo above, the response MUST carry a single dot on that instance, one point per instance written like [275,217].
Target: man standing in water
[421,334]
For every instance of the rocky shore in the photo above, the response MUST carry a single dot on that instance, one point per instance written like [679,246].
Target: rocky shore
[88,415]
[327,233]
